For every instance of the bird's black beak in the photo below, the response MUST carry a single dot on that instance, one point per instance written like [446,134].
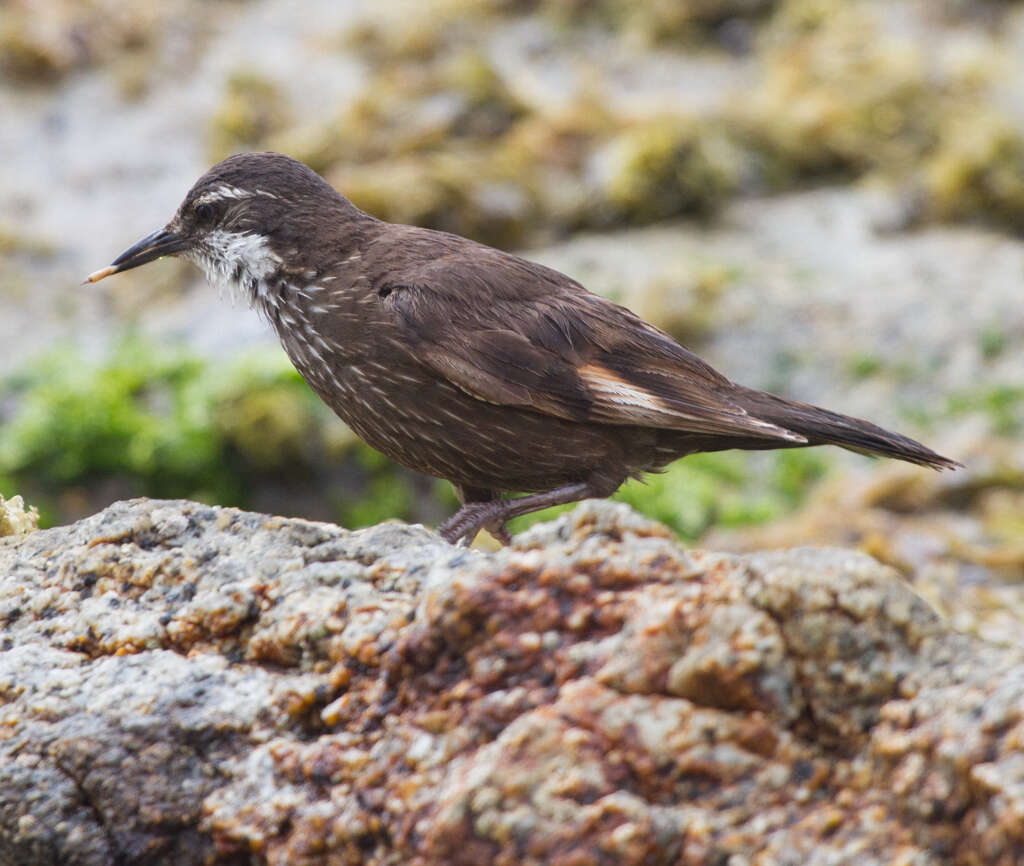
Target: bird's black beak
[154,246]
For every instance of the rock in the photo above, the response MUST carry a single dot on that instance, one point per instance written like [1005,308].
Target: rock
[185,684]
[957,538]
[14,519]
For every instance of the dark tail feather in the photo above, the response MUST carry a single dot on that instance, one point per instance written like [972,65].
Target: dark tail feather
[822,427]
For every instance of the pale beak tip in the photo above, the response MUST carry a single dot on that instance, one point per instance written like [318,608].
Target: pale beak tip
[96,276]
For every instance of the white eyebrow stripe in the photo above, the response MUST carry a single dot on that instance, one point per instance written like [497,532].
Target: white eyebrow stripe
[227,191]
[222,192]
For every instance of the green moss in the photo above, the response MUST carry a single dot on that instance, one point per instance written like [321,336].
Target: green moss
[161,422]
[383,495]
[794,472]
[720,489]
[129,417]
[268,425]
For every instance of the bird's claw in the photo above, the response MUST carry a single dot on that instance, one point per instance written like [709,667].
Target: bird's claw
[462,527]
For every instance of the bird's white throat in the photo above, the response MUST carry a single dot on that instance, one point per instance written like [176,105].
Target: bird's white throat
[238,265]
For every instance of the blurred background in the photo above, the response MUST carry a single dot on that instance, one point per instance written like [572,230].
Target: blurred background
[822,197]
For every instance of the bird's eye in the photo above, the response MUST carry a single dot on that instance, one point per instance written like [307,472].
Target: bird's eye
[205,213]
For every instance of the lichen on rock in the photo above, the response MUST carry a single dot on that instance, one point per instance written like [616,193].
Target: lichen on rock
[188,684]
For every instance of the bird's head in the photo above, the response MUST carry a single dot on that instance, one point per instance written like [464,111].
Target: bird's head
[240,220]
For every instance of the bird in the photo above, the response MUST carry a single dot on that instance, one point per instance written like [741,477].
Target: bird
[505,377]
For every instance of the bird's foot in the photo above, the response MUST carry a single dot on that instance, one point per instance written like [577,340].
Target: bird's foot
[463,526]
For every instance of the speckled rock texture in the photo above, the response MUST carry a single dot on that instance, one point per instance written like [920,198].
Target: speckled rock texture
[181,684]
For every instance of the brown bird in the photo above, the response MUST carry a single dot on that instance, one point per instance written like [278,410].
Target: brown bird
[467,363]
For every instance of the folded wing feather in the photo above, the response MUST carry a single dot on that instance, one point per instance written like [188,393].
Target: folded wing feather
[573,354]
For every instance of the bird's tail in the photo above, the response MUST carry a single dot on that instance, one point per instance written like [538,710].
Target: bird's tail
[822,427]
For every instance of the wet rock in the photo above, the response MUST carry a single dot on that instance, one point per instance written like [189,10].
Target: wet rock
[188,684]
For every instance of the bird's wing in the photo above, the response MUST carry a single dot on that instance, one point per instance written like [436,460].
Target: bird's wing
[512,332]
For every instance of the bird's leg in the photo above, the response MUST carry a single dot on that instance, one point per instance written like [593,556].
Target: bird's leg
[474,516]
[480,494]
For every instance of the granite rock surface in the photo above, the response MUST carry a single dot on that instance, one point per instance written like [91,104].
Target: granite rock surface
[183,684]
